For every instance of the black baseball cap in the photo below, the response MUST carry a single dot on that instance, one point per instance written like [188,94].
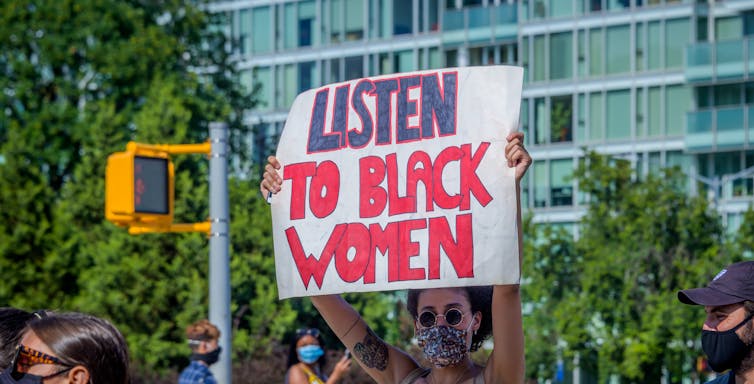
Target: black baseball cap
[734,284]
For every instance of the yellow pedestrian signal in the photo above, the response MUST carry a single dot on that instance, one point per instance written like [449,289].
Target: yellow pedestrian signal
[139,187]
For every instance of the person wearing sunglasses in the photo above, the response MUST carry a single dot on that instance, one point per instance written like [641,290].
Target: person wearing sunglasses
[448,322]
[203,338]
[72,348]
[307,359]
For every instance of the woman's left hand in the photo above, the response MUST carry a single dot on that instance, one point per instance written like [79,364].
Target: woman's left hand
[517,155]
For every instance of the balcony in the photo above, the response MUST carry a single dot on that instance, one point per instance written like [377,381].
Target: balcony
[720,60]
[719,129]
[476,24]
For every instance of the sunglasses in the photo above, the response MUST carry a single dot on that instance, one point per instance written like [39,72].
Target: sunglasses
[25,358]
[453,317]
[301,332]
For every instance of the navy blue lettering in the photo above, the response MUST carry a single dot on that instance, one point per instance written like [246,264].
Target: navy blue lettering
[318,140]
[405,108]
[358,139]
[383,90]
[441,107]
[340,113]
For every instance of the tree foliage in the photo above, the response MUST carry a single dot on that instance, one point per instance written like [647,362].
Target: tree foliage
[609,295]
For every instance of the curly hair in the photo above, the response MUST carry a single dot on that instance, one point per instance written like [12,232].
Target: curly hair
[480,298]
[202,330]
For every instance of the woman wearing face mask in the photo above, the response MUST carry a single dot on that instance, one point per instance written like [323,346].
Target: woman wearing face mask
[306,360]
[445,319]
[69,348]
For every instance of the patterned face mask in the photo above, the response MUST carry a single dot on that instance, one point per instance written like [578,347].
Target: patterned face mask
[443,345]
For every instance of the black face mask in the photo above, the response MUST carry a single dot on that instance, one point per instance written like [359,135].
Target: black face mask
[25,378]
[209,358]
[724,349]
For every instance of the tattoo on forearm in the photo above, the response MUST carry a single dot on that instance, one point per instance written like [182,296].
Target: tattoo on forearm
[372,351]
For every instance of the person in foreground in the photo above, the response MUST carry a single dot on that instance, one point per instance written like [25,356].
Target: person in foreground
[448,322]
[728,332]
[12,324]
[306,360]
[72,348]
[203,339]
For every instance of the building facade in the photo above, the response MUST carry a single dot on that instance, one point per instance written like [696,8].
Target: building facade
[656,82]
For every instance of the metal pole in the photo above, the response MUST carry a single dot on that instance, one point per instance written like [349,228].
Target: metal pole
[219,245]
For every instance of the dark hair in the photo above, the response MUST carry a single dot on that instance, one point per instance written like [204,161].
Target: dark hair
[12,323]
[293,355]
[749,306]
[481,301]
[81,339]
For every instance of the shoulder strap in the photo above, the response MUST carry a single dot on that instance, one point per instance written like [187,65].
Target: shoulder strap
[311,376]
[415,374]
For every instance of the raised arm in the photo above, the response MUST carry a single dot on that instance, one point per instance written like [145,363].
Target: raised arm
[506,363]
[383,362]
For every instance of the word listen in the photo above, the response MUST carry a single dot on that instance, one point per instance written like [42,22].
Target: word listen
[436,108]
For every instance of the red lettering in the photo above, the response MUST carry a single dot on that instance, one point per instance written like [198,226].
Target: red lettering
[441,197]
[470,182]
[309,266]
[460,252]
[298,173]
[423,174]
[325,188]
[372,197]
[396,204]
[357,238]
[408,249]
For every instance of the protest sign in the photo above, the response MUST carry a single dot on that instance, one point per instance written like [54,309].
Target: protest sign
[397,182]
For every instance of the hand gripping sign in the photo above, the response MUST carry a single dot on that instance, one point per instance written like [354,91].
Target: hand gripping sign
[397,182]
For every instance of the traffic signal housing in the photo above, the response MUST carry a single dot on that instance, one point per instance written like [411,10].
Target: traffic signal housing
[139,187]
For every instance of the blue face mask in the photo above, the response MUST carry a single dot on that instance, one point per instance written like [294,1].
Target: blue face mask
[310,353]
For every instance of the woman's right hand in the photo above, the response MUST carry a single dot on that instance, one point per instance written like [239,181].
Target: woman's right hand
[271,180]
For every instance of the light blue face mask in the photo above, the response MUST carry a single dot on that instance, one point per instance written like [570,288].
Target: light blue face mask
[310,353]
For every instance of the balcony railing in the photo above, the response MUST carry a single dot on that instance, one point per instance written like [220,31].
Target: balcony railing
[474,23]
[720,60]
[720,128]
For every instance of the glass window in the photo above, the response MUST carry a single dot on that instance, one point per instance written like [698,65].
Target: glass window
[306,31]
[244,31]
[262,29]
[560,8]
[404,61]
[561,117]
[434,58]
[581,127]
[335,71]
[701,28]
[581,43]
[306,75]
[676,39]
[703,97]
[561,47]
[677,104]
[524,119]
[561,190]
[354,19]
[618,115]
[654,45]
[290,37]
[539,58]
[729,94]
[403,14]
[618,49]
[336,20]
[595,116]
[354,67]
[525,57]
[540,184]
[654,163]
[540,121]
[641,125]
[728,28]
[749,93]
[385,64]
[263,78]
[617,5]
[640,47]
[290,88]
[595,52]
[654,127]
